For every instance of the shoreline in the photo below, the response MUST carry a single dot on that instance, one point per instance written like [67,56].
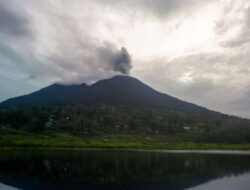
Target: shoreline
[114,141]
[198,151]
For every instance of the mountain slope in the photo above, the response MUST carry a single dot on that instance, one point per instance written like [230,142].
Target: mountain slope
[55,94]
[119,90]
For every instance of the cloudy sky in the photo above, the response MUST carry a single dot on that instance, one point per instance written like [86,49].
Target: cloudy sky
[195,50]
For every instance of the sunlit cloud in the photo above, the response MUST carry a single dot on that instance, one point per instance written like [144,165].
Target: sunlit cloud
[195,50]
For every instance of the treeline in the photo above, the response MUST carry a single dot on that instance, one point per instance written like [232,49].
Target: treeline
[94,120]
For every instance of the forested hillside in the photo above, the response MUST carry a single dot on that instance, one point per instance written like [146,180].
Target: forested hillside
[80,120]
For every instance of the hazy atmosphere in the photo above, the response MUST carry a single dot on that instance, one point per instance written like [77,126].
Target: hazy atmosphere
[195,50]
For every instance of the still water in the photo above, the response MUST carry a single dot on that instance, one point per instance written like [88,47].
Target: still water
[117,169]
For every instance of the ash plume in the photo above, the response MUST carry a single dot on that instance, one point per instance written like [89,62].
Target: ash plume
[122,61]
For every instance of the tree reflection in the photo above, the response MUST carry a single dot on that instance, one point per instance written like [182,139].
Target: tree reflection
[119,167]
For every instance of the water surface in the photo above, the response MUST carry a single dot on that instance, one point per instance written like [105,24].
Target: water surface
[118,169]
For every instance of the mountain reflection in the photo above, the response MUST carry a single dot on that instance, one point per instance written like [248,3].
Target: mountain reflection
[97,169]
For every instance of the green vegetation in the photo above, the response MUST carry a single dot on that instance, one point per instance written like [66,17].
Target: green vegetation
[17,139]
[120,127]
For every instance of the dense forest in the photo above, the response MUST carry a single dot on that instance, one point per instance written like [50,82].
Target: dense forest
[80,120]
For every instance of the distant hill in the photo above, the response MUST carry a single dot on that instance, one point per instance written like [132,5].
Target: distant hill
[119,90]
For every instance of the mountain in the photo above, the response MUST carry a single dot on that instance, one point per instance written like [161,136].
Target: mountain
[55,94]
[119,90]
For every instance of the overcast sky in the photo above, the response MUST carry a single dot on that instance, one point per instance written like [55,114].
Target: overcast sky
[195,50]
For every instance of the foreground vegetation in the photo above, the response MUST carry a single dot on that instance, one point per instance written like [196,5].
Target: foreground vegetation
[17,139]
[120,127]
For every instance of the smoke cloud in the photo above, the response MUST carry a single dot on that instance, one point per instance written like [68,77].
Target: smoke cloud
[122,62]
[112,58]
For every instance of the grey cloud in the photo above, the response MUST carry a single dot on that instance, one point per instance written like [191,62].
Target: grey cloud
[159,8]
[86,57]
[215,80]
[75,57]
[230,22]
[243,103]
[119,60]
[12,22]
[123,61]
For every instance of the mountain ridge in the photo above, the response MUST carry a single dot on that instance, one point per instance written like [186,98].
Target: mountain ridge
[118,90]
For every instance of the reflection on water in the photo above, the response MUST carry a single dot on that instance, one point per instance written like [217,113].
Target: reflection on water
[6,187]
[99,169]
[241,182]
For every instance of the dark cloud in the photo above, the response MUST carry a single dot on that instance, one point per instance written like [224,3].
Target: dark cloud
[123,61]
[12,22]
[118,60]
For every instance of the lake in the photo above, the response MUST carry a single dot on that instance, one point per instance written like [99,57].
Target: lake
[120,169]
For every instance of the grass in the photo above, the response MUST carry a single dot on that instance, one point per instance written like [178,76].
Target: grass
[15,139]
